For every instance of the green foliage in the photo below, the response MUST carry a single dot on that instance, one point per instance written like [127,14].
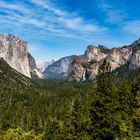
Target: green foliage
[104,105]
[104,68]
[11,77]
[124,73]
[19,134]
[61,110]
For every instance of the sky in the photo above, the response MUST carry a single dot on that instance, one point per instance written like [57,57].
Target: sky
[58,28]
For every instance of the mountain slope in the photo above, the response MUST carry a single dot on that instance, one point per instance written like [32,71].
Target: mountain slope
[34,70]
[123,73]
[59,69]
[10,77]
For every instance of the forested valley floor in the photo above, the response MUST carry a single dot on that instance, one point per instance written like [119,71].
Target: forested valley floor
[106,109]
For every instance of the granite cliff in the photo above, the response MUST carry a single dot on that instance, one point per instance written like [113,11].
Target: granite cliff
[15,52]
[86,66]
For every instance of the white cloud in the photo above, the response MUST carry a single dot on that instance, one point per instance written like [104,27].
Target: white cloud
[132,27]
[32,21]
[51,22]
[113,14]
[79,25]
[69,20]
[15,6]
[49,6]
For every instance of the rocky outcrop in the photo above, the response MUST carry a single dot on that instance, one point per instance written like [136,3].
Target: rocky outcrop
[94,53]
[94,57]
[119,56]
[88,62]
[59,69]
[33,67]
[14,51]
[76,69]
[135,58]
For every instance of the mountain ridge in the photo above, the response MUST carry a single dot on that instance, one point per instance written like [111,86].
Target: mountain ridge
[15,52]
[93,58]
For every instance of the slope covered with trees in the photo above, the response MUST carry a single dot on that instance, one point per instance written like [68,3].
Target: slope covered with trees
[61,110]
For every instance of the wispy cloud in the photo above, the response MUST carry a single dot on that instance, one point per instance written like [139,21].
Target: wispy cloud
[49,22]
[16,6]
[49,6]
[68,20]
[133,27]
[78,24]
[111,12]
[47,18]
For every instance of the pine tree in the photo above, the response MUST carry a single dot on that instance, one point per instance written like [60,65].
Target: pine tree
[125,97]
[126,111]
[104,105]
[104,68]
[136,106]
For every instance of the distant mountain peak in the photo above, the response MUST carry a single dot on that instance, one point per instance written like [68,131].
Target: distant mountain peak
[58,69]
[42,65]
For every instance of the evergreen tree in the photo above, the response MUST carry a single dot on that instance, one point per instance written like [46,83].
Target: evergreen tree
[125,97]
[104,68]
[136,106]
[125,111]
[104,105]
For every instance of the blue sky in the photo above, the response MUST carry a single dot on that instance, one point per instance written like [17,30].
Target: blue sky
[57,28]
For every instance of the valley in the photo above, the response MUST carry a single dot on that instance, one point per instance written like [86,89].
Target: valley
[92,96]
[69,70]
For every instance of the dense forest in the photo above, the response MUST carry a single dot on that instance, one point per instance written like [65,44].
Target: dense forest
[105,109]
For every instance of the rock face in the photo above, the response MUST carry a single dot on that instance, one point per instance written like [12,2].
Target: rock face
[33,67]
[94,54]
[59,69]
[79,68]
[76,69]
[86,66]
[14,51]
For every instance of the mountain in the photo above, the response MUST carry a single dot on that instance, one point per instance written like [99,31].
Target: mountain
[42,65]
[59,69]
[15,52]
[78,68]
[10,77]
[34,70]
[86,66]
